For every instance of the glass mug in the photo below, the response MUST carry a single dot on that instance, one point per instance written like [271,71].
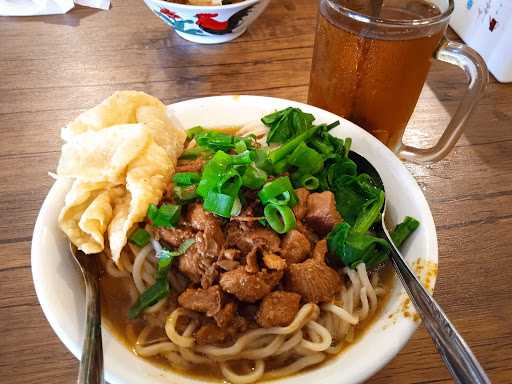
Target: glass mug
[371,69]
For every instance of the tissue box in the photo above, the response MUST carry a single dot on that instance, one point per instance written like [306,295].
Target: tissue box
[486,26]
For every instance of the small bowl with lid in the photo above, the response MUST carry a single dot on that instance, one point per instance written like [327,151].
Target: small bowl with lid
[208,21]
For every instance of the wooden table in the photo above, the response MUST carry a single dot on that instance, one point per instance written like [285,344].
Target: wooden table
[52,68]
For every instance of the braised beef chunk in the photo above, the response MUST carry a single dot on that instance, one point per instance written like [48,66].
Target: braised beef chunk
[212,240]
[278,309]
[175,236]
[251,261]
[313,280]
[208,301]
[226,315]
[198,266]
[211,334]
[246,239]
[320,251]
[300,209]
[228,265]
[193,265]
[321,214]
[249,287]
[232,254]
[310,235]
[295,247]
[195,165]
[272,261]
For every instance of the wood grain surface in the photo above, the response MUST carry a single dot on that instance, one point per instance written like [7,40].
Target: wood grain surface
[52,68]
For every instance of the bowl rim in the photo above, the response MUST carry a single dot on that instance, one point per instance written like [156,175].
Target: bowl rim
[402,334]
[202,7]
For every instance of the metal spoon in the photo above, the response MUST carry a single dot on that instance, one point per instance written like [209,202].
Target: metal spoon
[91,362]
[456,354]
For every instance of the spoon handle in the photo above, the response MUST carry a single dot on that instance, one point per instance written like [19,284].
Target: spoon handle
[456,354]
[91,363]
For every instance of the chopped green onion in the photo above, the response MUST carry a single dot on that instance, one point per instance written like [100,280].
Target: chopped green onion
[140,237]
[243,158]
[213,171]
[150,296]
[219,203]
[166,216]
[230,183]
[306,159]
[192,132]
[284,150]
[185,193]
[195,152]
[166,257]
[186,178]
[261,160]
[276,188]
[282,199]
[280,218]
[161,288]
[254,178]
[237,207]
[309,182]
[281,166]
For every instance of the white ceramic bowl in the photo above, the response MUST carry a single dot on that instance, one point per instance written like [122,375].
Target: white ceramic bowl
[60,289]
[208,24]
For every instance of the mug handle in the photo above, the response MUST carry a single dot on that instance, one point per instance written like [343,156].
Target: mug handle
[474,66]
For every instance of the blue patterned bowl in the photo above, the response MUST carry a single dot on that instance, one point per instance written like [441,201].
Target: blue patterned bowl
[208,24]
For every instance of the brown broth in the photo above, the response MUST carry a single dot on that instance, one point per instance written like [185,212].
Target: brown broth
[116,301]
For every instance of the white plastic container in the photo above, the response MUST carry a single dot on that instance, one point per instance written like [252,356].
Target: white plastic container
[486,26]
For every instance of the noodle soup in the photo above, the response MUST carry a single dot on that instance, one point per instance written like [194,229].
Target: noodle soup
[262,259]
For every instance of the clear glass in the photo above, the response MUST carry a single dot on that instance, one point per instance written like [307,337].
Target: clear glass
[370,68]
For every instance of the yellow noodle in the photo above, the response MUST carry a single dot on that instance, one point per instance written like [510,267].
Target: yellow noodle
[235,378]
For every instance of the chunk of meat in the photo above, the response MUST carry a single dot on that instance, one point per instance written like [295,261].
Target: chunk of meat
[321,214]
[211,334]
[313,280]
[198,266]
[278,309]
[175,236]
[228,265]
[300,208]
[249,287]
[320,251]
[295,247]
[226,315]
[232,254]
[272,261]
[251,261]
[311,236]
[246,239]
[211,242]
[208,301]
[195,165]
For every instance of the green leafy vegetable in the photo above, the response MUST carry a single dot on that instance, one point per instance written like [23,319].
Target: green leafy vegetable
[287,124]
[404,230]
[286,149]
[306,159]
[140,237]
[166,216]
[185,194]
[192,132]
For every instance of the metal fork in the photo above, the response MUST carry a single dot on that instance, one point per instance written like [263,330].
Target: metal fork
[91,362]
